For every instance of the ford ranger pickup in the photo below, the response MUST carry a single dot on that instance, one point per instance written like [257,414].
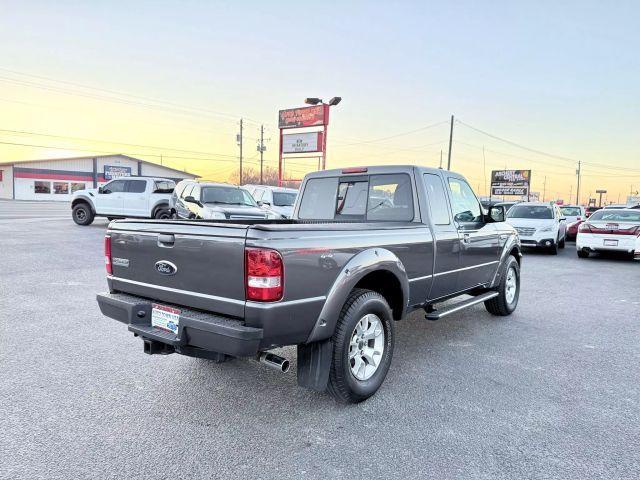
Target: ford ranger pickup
[365,246]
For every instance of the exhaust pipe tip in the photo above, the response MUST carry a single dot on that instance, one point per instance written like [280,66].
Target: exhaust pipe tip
[274,361]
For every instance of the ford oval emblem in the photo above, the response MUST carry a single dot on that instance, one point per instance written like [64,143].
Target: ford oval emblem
[166,268]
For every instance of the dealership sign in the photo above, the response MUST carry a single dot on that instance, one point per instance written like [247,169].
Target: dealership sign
[510,182]
[116,171]
[315,116]
[302,142]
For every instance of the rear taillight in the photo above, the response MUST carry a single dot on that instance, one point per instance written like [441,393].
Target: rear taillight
[584,228]
[107,254]
[264,274]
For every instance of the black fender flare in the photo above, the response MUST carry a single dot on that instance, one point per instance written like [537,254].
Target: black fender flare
[363,263]
[83,199]
[511,244]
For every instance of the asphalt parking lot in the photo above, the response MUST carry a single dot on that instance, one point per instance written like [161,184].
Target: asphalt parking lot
[551,392]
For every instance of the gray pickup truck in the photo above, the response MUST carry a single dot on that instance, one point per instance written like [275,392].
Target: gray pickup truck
[364,247]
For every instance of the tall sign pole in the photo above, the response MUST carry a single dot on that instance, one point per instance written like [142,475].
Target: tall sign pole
[240,144]
[261,152]
[450,142]
[578,188]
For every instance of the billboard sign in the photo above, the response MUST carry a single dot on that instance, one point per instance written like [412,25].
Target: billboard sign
[302,142]
[510,182]
[116,171]
[315,116]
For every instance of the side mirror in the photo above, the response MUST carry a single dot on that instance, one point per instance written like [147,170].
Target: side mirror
[101,190]
[563,219]
[190,199]
[264,204]
[497,213]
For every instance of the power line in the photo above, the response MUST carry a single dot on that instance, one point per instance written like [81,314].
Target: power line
[123,94]
[402,134]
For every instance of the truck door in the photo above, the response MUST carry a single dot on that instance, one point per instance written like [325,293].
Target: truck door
[479,241]
[446,242]
[109,202]
[136,201]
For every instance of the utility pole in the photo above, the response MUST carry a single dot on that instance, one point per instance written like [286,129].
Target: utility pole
[261,149]
[570,192]
[578,187]
[440,159]
[544,188]
[484,170]
[450,142]
[239,142]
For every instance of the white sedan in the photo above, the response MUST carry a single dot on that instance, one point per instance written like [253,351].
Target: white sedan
[610,230]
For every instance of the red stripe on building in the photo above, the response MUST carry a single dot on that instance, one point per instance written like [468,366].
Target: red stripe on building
[54,176]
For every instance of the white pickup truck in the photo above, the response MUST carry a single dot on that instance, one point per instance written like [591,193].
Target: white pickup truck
[137,197]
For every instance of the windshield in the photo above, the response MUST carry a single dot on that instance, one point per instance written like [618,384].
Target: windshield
[540,212]
[616,216]
[227,196]
[283,199]
[570,211]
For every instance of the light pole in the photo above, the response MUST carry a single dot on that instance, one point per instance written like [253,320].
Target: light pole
[332,103]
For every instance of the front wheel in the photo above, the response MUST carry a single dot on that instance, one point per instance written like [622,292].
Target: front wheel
[508,291]
[362,347]
[562,242]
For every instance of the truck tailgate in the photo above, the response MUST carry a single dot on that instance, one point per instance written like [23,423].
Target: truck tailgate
[181,263]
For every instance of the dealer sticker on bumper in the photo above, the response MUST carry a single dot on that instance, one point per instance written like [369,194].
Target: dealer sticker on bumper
[164,317]
[610,243]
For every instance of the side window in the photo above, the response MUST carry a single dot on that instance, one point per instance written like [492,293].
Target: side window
[257,194]
[116,186]
[437,199]
[187,191]
[195,193]
[319,199]
[390,198]
[136,186]
[352,198]
[464,203]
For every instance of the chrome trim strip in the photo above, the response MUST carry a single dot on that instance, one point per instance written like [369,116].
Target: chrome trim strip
[176,290]
[222,299]
[466,268]
[267,305]
[416,279]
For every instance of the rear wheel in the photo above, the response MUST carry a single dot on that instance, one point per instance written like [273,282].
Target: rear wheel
[508,291]
[82,214]
[362,347]
[583,254]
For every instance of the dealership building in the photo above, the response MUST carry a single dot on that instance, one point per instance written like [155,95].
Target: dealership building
[57,179]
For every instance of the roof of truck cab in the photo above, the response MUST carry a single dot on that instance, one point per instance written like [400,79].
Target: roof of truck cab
[379,169]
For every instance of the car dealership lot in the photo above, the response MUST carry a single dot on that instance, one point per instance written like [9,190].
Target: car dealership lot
[551,392]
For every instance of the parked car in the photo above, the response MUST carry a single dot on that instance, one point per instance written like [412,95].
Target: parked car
[615,230]
[276,199]
[129,197]
[217,201]
[588,211]
[507,205]
[620,206]
[332,280]
[575,215]
[539,225]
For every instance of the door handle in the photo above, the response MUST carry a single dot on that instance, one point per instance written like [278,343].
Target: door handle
[166,241]
[465,238]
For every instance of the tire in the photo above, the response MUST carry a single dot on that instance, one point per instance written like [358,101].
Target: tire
[506,301]
[82,214]
[562,242]
[162,213]
[362,307]
[553,250]
[583,254]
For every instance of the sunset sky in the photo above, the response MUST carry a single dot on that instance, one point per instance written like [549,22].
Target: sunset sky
[172,79]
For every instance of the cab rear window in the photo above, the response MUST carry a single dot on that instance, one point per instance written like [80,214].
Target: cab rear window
[375,198]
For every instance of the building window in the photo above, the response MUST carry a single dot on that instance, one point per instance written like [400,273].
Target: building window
[41,187]
[77,186]
[61,188]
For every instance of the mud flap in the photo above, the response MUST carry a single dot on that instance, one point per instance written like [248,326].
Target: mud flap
[314,362]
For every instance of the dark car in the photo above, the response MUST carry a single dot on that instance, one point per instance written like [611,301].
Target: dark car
[364,247]
[588,211]
[216,201]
